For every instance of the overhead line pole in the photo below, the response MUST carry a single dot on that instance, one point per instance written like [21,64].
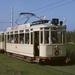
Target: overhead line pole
[12,14]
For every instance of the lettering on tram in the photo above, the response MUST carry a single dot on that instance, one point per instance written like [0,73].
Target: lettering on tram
[38,41]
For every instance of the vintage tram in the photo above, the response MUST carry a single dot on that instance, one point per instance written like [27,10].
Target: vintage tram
[39,41]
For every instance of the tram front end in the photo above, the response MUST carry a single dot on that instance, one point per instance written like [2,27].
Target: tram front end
[53,44]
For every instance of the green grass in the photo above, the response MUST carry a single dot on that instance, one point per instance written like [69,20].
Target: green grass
[12,66]
[70,47]
[71,52]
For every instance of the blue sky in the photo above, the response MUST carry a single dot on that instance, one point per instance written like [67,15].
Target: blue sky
[49,8]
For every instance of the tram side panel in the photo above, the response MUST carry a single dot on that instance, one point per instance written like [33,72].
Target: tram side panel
[21,49]
[1,45]
[52,52]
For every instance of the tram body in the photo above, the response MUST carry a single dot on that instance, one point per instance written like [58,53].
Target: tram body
[33,42]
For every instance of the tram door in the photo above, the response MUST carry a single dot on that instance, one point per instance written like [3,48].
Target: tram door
[36,43]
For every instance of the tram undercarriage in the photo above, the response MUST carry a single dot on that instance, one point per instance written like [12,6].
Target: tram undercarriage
[38,59]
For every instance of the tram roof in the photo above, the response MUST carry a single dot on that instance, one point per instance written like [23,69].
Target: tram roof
[35,24]
[44,23]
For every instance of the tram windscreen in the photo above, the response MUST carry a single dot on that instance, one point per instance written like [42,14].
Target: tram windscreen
[56,36]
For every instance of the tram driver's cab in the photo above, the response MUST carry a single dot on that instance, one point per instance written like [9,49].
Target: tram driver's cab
[52,39]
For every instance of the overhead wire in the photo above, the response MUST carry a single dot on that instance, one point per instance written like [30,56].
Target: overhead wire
[5,17]
[47,5]
[56,6]
[52,7]
[35,9]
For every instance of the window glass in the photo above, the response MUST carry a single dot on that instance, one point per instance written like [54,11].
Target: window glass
[16,38]
[27,30]
[16,32]
[21,39]
[56,36]
[64,37]
[12,38]
[41,36]
[46,37]
[8,41]
[47,28]
[27,38]
[21,31]
[53,28]
[59,37]
[0,38]
[31,37]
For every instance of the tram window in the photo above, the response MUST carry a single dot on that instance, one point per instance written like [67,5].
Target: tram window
[11,32]
[41,36]
[41,28]
[59,37]
[31,29]
[0,38]
[27,38]
[64,37]
[8,41]
[47,28]
[21,31]
[27,30]
[31,38]
[46,37]
[16,38]
[53,28]
[22,38]
[11,39]
[56,37]
[16,31]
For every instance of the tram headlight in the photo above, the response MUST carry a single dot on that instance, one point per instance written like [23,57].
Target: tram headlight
[56,52]
[56,48]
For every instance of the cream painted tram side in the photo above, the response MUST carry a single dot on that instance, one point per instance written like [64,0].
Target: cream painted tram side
[40,41]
